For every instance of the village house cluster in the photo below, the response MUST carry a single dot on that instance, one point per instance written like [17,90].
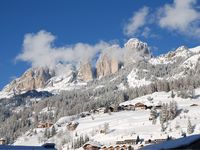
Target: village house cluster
[45,124]
[128,107]
[127,144]
[2,141]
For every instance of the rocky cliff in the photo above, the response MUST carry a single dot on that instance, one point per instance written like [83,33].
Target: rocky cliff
[106,66]
[86,72]
[33,78]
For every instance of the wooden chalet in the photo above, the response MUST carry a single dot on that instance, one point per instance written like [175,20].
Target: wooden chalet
[72,126]
[127,141]
[120,142]
[91,145]
[140,105]
[2,141]
[131,107]
[117,147]
[125,107]
[45,125]
[130,141]
[124,147]
[111,148]
[104,148]
[194,105]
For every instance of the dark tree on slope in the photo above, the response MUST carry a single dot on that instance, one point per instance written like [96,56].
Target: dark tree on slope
[189,127]
[53,131]
[153,115]
[168,112]
[173,109]
[78,142]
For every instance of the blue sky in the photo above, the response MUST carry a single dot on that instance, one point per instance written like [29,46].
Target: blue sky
[91,21]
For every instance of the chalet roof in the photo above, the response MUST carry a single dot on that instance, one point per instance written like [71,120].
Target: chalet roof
[2,139]
[93,143]
[110,146]
[124,145]
[73,123]
[171,144]
[103,146]
[139,104]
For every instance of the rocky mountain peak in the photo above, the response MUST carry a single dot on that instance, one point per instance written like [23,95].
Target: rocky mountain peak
[136,50]
[136,44]
[182,48]
[32,79]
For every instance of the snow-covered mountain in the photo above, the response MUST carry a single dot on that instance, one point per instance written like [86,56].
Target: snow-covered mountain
[145,70]
[108,82]
[67,77]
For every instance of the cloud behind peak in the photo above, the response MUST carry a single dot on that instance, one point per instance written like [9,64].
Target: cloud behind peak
[39,50]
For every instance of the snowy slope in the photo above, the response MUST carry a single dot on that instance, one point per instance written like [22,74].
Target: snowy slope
[127,124]
[184,60]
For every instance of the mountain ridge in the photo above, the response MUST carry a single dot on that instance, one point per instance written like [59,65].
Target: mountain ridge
[186,60]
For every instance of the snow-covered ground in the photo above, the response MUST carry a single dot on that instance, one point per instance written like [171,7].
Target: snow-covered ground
[127,124]
[134,81]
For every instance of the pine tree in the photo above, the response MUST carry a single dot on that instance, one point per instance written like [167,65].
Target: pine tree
[172,94]
[45,133]
[53,131]
[106,127]
[163,113]
[174,109]
[162,127]
[153,115]
[35,131]
[138,139]
[189,127]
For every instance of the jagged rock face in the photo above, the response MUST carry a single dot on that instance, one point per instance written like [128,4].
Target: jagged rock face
[135,50]
[86,72]
[32,79]
[106,66]
[114,65]
[137,45]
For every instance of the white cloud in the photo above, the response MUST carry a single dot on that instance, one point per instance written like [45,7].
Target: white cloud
[146,32]
[136,22]
[39,50]
[181,16]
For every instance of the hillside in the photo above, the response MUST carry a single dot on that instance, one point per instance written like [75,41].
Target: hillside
[123,125]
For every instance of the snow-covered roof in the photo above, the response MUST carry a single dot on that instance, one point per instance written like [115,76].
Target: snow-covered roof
[93,143]
[1,139]
[173,143]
